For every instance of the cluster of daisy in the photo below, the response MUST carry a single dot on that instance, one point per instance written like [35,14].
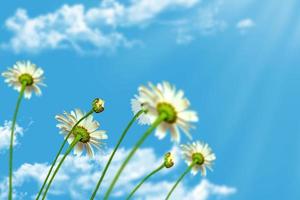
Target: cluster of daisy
[164,98]
[164,108]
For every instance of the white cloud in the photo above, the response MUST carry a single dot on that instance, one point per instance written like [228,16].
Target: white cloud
[5,135]
[109,13]
[203,191]
[84,29]
[204,22]
[66,27]
[112,12]
[184,37]
[79,175]
[245,24]
[142,10]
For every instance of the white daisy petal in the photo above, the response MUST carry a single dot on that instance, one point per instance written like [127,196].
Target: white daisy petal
[175,135]
[89,150]
[161,131]
[70,139]
[78,149]
[37,90]
[27,93]
[101,135]
[190,116]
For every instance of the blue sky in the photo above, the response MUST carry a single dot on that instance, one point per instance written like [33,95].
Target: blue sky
[237,61]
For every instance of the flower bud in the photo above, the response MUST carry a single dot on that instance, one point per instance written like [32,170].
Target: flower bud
[168,160]
[98,105]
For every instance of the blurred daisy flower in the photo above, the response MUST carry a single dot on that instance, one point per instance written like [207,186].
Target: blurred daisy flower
[25,73]
[164,98]
[87,128]
[200,154]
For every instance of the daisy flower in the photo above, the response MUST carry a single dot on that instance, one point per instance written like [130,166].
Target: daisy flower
[23,72]
[87,128]
[164,98]
[200,153]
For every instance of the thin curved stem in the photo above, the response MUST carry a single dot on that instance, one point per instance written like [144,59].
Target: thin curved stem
[159,119]
[136,116]
[77,138]
[180,179]
[144,180]
[59,152]
[11,150]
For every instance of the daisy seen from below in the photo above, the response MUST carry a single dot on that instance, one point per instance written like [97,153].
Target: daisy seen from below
[27,75]
[97,107]
[81,131]
[164,98]
[198,156]
[87,129]
[24,77]
[198,151]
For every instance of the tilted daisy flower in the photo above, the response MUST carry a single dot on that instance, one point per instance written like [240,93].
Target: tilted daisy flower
[28,73]
[200,153]
[87,128]
[164,98]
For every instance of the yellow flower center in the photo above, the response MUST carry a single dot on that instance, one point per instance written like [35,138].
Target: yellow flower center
[169,110]
[26,78]
[198,158]
[79,130]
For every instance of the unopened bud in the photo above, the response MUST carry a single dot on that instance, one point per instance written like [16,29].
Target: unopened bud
[98,105]
[168,160]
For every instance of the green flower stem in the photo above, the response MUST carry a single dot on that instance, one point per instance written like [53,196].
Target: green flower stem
[180,179]
[159,119]
[12,138]
[145,179]
[59,152]
[136,116]
[75,141]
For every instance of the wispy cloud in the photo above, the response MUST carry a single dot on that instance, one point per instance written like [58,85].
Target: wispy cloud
[79,175]
[203,22]
[245,24]
[142,10]
[5,132]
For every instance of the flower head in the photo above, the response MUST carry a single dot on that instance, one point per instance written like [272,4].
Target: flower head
[87,129]
[200,154]
[25,73]
[168,162]
[164,98]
